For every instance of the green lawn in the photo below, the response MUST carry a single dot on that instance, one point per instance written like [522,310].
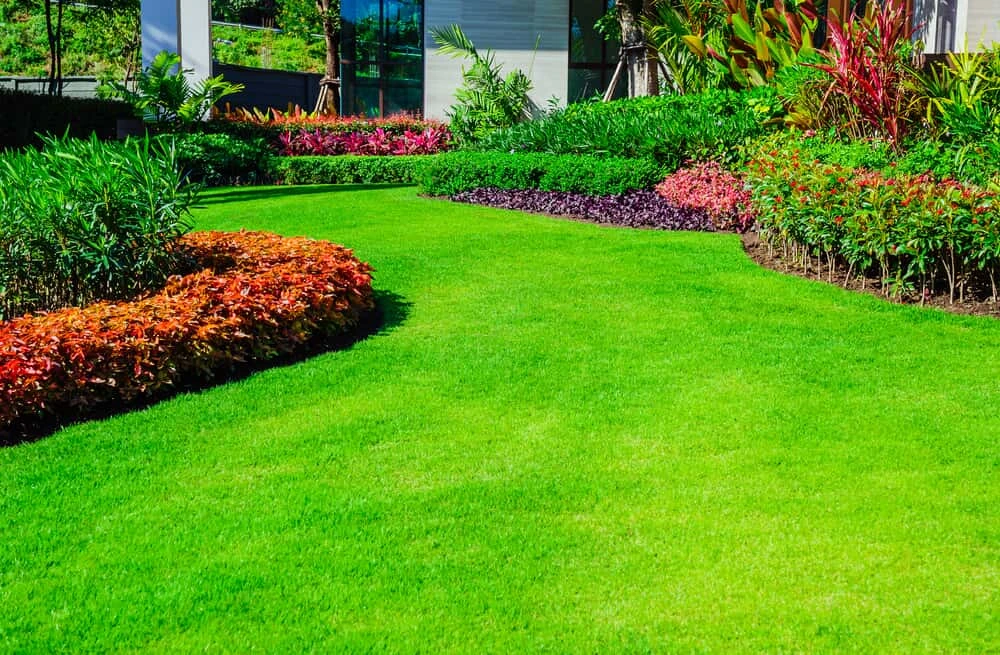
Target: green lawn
[567,438]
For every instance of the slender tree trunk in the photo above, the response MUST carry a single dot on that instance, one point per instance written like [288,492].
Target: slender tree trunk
[633,46]
[640,57]
[328,101]
[652,56]
[51,35]
[59,50]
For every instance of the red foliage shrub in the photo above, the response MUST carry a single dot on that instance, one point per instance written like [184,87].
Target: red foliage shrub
[259,296]
[430,141]
[709,188]
[298,119]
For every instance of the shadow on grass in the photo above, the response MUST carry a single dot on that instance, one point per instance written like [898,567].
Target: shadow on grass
[240,194]
[391,311]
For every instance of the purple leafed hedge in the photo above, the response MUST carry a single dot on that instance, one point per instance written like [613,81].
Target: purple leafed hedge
[632,209]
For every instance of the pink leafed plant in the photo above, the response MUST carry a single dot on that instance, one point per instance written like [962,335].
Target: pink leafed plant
[380,142]
[710,188]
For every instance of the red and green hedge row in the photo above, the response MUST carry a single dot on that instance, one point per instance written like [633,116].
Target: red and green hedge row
[258,296]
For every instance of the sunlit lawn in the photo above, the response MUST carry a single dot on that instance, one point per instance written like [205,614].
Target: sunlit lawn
[566,438]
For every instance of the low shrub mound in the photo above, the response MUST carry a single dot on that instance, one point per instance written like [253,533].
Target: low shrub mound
[632,209]
[709,188]
[257,297]
[670,129]
[455,172]
[348,169]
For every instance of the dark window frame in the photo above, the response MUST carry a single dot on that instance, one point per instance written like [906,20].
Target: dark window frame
[382,61]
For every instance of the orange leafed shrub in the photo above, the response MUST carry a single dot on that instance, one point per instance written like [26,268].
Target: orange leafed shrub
[258,296]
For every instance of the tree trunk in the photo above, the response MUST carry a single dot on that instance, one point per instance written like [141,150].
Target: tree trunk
[51,35]
[640,58]
[652,56]
[328,101]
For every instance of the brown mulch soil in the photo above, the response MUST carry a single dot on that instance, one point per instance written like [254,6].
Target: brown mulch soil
[977,299]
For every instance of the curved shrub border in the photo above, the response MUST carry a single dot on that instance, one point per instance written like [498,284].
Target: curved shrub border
[259,296]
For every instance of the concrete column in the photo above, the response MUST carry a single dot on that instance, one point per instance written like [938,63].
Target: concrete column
[181,26]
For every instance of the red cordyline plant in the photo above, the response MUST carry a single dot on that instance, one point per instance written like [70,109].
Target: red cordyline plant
[868,71]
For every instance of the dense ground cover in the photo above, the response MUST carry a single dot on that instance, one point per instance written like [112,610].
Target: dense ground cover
[566,437]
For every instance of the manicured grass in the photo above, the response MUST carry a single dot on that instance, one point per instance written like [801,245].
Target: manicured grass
[567,438]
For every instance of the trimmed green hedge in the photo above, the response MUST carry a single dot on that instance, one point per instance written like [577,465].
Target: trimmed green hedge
[25,115]
[454,172]
[218,159]
[349,169]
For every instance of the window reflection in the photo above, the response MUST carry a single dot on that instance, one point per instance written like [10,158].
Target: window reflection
[592,60]
[382,47]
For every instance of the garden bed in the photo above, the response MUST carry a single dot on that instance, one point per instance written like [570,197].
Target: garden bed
[977,300]
[257,297]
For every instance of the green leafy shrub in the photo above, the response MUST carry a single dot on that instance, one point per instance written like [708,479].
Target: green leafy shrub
[451,173]
[669,129]
[827,148]
[977,163]
[86,220]
[349,169]
[911,232]
[255,296]
[216,159]
[962,96]
[25,116]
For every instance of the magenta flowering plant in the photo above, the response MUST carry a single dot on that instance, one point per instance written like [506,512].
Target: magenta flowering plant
[708,187]
[379,141]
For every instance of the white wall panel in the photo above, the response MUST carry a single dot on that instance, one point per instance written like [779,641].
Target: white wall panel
[511,28]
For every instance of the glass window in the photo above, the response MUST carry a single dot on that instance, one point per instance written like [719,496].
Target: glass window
[592,60]
[383,56]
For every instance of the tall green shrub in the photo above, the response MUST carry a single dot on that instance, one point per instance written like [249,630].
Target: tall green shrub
[85,220]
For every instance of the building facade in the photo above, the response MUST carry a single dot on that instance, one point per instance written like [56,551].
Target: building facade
[390,63]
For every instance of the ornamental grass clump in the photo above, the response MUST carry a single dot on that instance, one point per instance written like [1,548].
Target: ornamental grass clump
[709,188]
[84,220]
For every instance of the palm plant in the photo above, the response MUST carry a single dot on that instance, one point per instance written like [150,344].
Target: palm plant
[165,95]
[962,96]
[487,100]
[668,31]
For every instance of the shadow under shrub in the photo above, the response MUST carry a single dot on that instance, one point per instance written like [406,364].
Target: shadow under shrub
[258,297]
[25,116]
[222,159]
